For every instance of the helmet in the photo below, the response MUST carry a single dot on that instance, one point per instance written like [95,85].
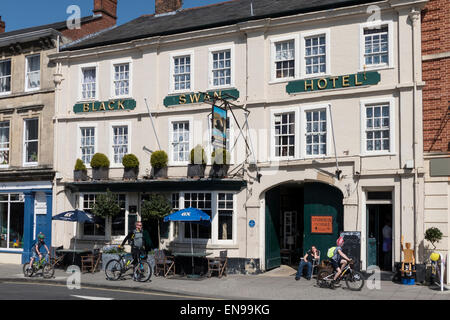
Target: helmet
[41,236]
[435,256]
[340,241]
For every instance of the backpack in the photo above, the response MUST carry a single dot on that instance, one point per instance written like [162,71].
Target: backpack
[330,252]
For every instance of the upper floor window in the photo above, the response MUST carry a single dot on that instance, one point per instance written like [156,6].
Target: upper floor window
[182,73]
[4,143]
[5,76]
[284,59]
[316,132]
[33,72]
[31,141]
[87,145]
[376,46]
[180,141]
[89,83]
[315,55]
[121,79]
[221,68]
[284,135]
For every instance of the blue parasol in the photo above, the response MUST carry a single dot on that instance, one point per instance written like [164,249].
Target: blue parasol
[191,215]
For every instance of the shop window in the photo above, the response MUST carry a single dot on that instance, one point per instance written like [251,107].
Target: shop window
[120,143]
[203,202]
[92,229]
[182,73]
[31,141]
[284,125]
[221,68]
[89,83]
[4,143]
[33,75]
[11,221]
[5,76]
[316,132]
[87,145]
[118,222]
[122,79]
[284,59]
[225,214]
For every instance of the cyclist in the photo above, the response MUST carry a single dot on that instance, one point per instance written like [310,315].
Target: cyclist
[36,248]
[140,242]
[339,259]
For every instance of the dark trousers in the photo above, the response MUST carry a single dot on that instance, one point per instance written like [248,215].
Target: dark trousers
[302,265]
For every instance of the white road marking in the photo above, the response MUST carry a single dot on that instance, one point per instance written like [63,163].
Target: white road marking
[91,298]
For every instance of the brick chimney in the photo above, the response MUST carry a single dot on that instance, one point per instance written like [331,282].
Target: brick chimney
[106,7]
[2,25]
[164,6]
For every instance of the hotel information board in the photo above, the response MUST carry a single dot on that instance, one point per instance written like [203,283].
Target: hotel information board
[321,224]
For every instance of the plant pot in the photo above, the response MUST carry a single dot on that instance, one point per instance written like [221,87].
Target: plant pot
[80,175]
[160,173]
[196,170]
[100,173]
[219,170]
[130,173]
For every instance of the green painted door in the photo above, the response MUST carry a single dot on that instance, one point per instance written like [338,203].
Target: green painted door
[273,258]
[322,200]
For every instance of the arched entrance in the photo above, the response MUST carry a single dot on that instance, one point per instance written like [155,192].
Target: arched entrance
[297,216]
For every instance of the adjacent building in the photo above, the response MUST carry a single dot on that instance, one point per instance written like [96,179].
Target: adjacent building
[328,138]
[27,105]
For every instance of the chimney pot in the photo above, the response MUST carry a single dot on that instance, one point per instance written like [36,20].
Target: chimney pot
[108,7]
[165,6]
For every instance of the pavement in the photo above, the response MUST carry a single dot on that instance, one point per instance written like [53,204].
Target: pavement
[277,284]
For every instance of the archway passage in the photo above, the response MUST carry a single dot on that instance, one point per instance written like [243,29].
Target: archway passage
[299,215]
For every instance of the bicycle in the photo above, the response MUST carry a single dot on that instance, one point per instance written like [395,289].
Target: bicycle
[353,279]
[116,268]
[47,268]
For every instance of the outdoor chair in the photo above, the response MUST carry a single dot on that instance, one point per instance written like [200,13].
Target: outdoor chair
[315,263]
[218,264]
[164,263]
[56,259]
[90,262]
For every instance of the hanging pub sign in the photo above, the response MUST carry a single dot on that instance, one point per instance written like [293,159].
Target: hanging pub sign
[200,97]
[337,82]
[219,127]
[111,105]
[322,224]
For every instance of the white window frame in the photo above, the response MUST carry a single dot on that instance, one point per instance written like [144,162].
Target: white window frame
[111,141]
[329,133]
[314,33]
[273,43]
[10,77]
[171,120]
[80,82]
[201,241]
[363,26]
[210,67]
[215,221]
[173,56]
[115,63]
[78,144]
[392,127]
[24,141]
[297,143]
[26,72]
[9,145]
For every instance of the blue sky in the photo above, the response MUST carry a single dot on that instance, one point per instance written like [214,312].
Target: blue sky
[19,14]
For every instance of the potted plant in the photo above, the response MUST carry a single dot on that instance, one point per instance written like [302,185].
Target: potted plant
[157,207]
[100,167]
[159,160]
[197,165]
[220,163]
[80,171]
[131,167]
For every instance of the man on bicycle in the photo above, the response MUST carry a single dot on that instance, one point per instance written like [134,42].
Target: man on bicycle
[36,248]
[140,242]
[339,259]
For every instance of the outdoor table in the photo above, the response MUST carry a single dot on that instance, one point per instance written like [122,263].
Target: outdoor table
[73,256]
[201,255]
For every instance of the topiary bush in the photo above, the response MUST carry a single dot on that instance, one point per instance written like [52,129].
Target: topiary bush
[220,157]
[159,159]
[198,155]
[99,160]
[433,235]
[79,165]
[130,161]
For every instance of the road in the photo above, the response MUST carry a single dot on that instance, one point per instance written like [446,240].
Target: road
[39,291]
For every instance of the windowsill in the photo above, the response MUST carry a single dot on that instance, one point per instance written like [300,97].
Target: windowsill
[33,89]
[30,164]
[378,154]
[4,166]
[87,101]
[120,97]
[5,93]
[377,68]
[221,88]
[313,76]
[284,80]
[174,92]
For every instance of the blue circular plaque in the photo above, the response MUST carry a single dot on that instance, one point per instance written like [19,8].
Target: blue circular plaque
[251,223]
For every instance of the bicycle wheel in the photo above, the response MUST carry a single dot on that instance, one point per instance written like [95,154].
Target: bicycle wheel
[48,271]
[143,271]
[27,270]
[321,281]
[113,270]
[355,281]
